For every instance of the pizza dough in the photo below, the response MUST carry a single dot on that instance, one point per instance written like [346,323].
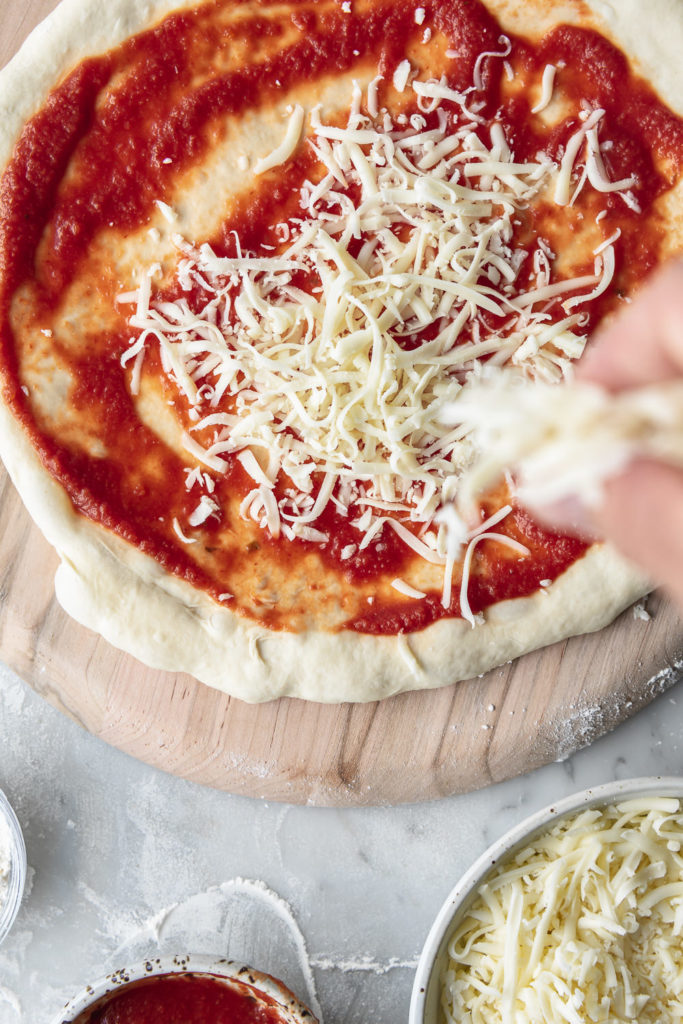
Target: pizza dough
[110,586]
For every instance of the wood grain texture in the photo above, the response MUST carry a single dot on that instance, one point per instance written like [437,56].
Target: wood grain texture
[416,746]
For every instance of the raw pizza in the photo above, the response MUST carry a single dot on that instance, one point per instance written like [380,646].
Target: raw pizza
[251,253]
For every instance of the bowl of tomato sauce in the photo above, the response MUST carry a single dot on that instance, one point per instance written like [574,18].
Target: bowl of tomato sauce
[186,990]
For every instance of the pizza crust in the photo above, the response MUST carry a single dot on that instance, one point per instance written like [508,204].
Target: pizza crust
[110,587]
[127,598]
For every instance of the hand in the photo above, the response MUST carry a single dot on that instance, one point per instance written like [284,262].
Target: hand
[642,510]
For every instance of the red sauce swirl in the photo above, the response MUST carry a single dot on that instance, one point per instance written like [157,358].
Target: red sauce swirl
[128,148]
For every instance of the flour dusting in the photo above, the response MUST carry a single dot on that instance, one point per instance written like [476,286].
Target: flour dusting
[585,721]
[9,998]
[281,907]
[364,964]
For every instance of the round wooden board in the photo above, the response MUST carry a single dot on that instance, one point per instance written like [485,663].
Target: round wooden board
[417,746]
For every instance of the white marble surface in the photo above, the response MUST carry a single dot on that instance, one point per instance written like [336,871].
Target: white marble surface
[125,861]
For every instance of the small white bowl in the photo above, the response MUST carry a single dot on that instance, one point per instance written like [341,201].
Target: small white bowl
[292,1011]
[425,1001]
[9,907]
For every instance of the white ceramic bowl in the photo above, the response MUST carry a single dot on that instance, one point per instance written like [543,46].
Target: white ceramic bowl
[424,1004]
[292,1011]
[9,908]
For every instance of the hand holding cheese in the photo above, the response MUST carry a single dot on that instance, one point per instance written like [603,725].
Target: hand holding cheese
[642,507]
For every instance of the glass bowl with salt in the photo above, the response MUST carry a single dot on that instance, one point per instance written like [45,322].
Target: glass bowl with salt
[12,866]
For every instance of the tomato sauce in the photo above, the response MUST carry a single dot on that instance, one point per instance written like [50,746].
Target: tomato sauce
[129,147]
[184,999]
[497,575]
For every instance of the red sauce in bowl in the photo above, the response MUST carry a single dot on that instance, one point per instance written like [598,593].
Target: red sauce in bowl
[185,999]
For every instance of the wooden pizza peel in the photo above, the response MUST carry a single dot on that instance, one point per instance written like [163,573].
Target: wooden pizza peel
[417,746]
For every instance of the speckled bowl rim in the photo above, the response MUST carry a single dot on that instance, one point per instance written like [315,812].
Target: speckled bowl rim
[424,1003]
[17,871]
[294,1012]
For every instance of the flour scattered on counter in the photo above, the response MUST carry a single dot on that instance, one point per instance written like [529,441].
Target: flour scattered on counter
[364,963]
[10,999]
[115,925]
[260,890]
[13,697]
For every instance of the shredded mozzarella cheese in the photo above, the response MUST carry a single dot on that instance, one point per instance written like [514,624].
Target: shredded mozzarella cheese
[547,86]
[407,590]
[282,153]
[318,349]
[583,924]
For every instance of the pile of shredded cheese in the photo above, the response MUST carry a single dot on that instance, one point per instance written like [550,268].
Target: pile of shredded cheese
[323,363]
[584,925]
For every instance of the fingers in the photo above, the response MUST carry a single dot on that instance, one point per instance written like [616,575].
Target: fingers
[642,514]
[644,343]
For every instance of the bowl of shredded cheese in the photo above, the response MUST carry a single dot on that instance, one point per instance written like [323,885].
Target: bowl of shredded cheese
[575,915]
[12,866]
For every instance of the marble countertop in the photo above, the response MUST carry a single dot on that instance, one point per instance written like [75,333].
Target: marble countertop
[125,862]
